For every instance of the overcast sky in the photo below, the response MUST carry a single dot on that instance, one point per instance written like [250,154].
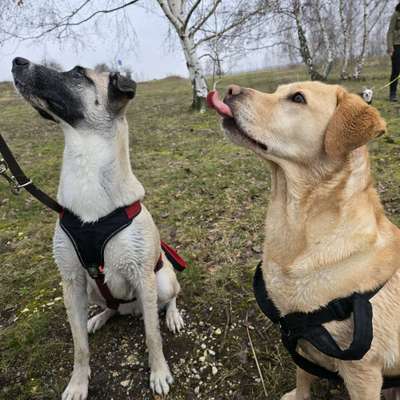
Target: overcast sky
[151,58]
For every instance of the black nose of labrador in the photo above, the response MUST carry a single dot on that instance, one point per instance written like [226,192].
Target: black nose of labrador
[20,62]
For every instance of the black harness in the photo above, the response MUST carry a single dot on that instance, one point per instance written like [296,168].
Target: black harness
[309,326]
[88,239]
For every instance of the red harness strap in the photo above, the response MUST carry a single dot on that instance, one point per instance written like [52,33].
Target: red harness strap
[111,301]
[173,257]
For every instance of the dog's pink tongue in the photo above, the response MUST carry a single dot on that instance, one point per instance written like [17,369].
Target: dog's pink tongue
[214,101]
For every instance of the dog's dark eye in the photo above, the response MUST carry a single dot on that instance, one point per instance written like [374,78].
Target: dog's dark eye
[298,97]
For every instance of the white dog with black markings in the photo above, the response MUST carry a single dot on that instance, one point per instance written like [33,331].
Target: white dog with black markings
[96,179]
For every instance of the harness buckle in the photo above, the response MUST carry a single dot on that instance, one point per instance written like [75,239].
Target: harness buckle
[93,271]
[14,186]
[3,167]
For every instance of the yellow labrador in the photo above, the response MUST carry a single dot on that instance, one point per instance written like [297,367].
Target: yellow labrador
[326,233]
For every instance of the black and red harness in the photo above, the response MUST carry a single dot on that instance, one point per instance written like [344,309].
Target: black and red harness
[88,239]
[309,327]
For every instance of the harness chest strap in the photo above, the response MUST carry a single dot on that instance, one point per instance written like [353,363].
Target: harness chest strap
[90,240]
[309,327]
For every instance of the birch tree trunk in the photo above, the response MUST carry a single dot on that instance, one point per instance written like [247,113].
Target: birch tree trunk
[304,48]
[346,37]
[327,43]
[372,13]
[196,74]
[361,58]
[174,11]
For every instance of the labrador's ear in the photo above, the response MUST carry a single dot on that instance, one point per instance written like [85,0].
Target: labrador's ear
[354,124]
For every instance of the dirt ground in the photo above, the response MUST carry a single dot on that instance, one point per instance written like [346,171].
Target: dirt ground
[208,198]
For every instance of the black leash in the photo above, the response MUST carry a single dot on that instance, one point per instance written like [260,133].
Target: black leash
[18,180]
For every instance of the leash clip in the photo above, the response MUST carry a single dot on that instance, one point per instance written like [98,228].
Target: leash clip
[12,181]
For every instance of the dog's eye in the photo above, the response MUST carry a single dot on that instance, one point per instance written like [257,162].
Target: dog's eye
[298,97]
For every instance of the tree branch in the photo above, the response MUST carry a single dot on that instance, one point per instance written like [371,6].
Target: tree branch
[68,23]
[190,13]
[202,21]
[171,17]
[227,29]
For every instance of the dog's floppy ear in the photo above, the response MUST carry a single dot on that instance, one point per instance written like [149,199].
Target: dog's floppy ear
[121,86]
[354,124]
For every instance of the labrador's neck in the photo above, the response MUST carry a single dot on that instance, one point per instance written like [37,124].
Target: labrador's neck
[320,231]
[96,176]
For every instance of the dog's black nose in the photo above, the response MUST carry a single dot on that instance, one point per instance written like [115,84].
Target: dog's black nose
[20,62]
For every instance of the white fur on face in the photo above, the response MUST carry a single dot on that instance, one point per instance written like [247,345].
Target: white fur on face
[367,95]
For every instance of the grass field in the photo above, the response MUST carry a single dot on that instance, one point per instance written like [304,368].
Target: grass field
[208,198]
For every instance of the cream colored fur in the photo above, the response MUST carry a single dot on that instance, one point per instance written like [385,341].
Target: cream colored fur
[96,179]
[326,235]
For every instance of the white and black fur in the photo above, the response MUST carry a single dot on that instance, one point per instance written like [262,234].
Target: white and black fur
[96,178]
[367,94]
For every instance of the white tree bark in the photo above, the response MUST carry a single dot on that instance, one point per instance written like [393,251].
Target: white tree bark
[174,10]
[199,83]
[346,31]
[304,47]
[372,11]
[327,43]
[361,58]
[190,19]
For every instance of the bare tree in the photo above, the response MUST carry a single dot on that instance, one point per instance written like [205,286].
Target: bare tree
[322,15]
[321,31]
[308,33]
[27,20]
[346,19]
[214,33]
[305,52]
[193,22]
[372,11]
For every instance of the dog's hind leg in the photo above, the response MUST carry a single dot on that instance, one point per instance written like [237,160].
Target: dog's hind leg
[132,308]
[391,394]
[168,288]
[160,376]
[99,320]
[303,386]
[76,303]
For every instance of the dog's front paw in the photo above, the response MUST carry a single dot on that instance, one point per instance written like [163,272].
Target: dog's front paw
[160,380]
[77,389]
[174,320]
